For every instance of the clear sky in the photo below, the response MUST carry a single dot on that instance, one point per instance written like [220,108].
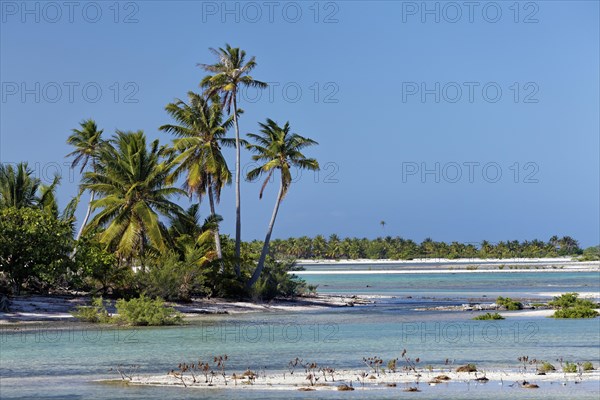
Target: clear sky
[451,120]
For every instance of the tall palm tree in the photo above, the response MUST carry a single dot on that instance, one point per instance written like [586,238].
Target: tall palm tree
[227,76]
[131,180]
[87,142]
[18,188]
[277,149]
[200,135]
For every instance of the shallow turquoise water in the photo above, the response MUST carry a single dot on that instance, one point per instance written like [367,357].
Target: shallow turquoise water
[457,285]
[61,364]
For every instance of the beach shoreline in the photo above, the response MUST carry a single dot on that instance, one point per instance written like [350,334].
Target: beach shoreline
[57,309]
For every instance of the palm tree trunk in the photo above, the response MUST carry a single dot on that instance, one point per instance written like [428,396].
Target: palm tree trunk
[238,211]
[216,232]
[265,249]
[83,224]
[87,216]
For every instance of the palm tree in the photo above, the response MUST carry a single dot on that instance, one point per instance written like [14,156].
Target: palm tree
[132,182]
[18,188]
[229,74]
[200,136]
[87,142]
[277,149]
[382,223]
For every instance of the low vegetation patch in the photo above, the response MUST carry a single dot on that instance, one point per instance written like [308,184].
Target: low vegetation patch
[95,313]
[488,316]
[587,366]
[546,367]
[509,303]
[575,312]
[142,311]
[569,305]
[569,367]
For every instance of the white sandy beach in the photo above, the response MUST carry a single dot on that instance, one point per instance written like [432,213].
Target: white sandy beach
[550,261]
[57,308]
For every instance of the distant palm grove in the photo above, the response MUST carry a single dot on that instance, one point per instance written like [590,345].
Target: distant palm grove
[136,239]
[397,248]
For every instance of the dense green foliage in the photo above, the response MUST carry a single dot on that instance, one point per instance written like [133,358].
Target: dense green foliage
[569,305]
[144,311]
[131,180]
[141,311]
[575,312]
[591,254]
[509,303]
[488,316]
[567,300]
[34,248]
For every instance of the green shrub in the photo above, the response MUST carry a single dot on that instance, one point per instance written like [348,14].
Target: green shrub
[570,367]
[144,311]
[587,366]
[575,312]
[275,281]
[34,248]
[571,300]
[97,269]
[488,316]
[568,305]
[94,313]
[392,365]
[546,367]
[509,303]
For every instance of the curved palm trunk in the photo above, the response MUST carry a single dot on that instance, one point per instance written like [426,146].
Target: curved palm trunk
[238,212]
[216,231]
[265,249]
[83,224]
[87,216]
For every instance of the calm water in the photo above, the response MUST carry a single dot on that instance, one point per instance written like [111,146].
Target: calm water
[457,285]
[61,364]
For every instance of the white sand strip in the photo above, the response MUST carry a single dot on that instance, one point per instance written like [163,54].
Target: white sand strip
[436,271]
[371,380]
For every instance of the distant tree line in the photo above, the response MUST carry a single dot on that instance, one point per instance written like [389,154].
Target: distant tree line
[397,248]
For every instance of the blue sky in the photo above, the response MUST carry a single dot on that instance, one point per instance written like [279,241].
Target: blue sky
[444,121]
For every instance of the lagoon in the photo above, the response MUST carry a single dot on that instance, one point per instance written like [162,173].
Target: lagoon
[63,361]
